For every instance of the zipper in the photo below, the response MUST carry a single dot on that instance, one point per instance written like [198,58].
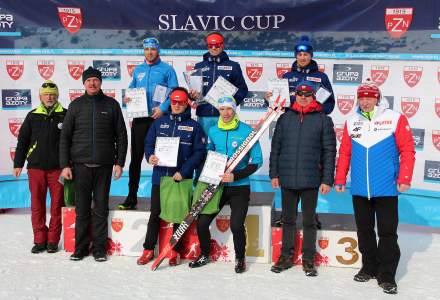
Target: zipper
[148,91]
[172,135]
[213,80]
[297,151]
[368,179]
[93,129]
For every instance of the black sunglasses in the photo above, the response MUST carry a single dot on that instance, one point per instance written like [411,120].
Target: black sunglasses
[48,85]
[302,93]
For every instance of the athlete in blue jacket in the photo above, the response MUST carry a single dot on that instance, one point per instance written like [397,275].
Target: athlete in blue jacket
[191,153]
[217,63]
[306,69]
[152,73]
[225,138]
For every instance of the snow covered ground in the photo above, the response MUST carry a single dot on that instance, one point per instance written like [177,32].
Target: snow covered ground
[53,276]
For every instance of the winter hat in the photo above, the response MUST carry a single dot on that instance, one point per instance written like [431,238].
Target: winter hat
[151,42]
[179,95]
[215,38]
[49,87]
[306,86]
[304,45]
[91,72]
[227,101]
[368,90]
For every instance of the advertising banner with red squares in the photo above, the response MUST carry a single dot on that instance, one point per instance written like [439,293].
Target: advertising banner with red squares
[408,86]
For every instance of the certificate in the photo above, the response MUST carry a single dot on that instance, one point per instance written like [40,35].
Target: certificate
[322,95]
[219,89]
[194,80]
[214,167]
[160,93]
[278,87]
[138,106]
[166,150]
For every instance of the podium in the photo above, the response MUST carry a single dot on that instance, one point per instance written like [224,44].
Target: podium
[336,242]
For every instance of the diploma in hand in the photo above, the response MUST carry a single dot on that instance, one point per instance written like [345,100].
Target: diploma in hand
[138,106]
[214,167]
[166,150]
[278,87]
[219,89]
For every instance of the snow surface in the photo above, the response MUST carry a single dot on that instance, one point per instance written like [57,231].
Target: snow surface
[24,275]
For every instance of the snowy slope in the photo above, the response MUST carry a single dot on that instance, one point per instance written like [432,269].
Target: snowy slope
[53,276]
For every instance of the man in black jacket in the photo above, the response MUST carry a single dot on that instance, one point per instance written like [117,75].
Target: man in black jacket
[93,142]
[302,163]
[38,142]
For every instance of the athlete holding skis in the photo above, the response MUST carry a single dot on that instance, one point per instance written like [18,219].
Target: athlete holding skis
[225,138]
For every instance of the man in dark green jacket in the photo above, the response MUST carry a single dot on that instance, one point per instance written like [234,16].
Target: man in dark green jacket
[38,142]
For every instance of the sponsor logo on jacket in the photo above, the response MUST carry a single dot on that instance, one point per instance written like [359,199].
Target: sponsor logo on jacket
[185,128]
[398,20]
[16,99]
[110,69]
[225,68]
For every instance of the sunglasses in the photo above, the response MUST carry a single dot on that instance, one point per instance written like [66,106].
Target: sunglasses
[217,45]
[174,102]
[305,94]
[48,85]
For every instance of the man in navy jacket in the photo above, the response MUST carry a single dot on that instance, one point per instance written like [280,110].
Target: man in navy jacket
[304,68]
[217,63]
[191,153]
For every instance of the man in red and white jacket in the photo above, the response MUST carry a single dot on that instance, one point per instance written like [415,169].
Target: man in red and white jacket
[378,144]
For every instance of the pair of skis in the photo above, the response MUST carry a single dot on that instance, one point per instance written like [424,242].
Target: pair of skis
[209,192]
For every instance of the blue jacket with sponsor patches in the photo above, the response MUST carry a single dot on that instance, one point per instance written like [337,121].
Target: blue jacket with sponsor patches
[148,76]
[192,146]
[213,67]
[310,73]
[228,141]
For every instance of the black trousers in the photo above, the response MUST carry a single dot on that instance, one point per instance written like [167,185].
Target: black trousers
[238,198]
[290,199]
[91,185]
[380,258]
[154,222]
[139,129]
